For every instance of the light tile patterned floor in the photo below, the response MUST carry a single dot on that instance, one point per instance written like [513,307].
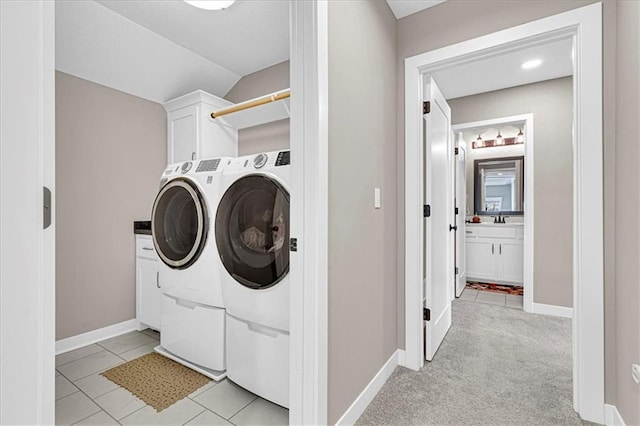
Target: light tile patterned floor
[490,298]
[83,397]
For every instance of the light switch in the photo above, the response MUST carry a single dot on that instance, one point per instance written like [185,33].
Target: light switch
[376,198]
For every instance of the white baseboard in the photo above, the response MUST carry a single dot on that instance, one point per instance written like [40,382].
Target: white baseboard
[363,400]
[612,416]
[553,310]
[84,339]
[401,358]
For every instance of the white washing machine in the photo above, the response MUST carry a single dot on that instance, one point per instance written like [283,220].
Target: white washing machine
[193,317]
[252,235]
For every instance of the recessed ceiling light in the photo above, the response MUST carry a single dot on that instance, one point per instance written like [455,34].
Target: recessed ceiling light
[531,64]
[210,4]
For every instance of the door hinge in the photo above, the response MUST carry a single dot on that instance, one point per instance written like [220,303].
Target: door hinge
[426,314]
[457,211]
[46,207]
[455,151]
[456,270]
[426,210]
[293,244]
[426,107]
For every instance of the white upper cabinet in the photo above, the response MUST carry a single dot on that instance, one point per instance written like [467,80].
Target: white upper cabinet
[193,134]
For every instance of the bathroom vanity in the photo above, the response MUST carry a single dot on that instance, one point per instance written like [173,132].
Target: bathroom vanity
[495,252]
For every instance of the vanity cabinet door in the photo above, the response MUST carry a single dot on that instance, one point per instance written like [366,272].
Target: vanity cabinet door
[481,259]
[511,263]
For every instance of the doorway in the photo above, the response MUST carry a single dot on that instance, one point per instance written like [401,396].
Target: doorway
[583,27]
[518,210]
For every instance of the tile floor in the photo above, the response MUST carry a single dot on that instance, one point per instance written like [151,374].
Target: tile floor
[490,298]
[84,397]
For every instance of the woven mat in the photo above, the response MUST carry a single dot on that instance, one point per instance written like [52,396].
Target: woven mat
[158,381]
[517,290]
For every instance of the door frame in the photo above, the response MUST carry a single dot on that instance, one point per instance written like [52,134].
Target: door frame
[529,209]
[309,142]
[584,26]
[27,152]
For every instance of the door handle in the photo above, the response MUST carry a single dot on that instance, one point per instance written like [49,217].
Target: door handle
[453,228]
[158,279]
[492,250]
[147,248]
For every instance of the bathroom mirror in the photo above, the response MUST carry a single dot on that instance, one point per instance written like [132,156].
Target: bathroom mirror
[499,186]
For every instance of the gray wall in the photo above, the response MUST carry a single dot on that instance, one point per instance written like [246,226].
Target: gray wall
[627,206]
[362,240]
[110,153]
[551,104]
[266,137]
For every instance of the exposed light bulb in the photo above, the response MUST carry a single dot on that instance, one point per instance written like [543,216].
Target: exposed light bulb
[210,4]
[520,137]
[531,64]
[479,142]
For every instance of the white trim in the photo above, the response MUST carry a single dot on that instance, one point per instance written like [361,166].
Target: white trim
[27,252]
[309,213]
[363,400]
[401,355]
[529,208]
[84,339]
[553,310]
[584,25]
[612,416]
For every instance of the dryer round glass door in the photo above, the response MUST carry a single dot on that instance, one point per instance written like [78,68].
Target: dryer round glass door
[179,223]
[252,231]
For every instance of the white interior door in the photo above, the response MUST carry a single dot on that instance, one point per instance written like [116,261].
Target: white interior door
[439,190]
[461,204]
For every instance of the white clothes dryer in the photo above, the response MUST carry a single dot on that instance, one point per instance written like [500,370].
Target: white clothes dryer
[193,317]
[252,236]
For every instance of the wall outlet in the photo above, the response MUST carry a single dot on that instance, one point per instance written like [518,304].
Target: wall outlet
[635,373]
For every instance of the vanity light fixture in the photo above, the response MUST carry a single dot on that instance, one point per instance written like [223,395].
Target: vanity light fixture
[499,139]
[531,64]
[210,4]
[520,137]
[479,143]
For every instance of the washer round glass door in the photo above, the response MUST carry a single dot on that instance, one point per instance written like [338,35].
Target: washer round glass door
[179,223]
[252,231]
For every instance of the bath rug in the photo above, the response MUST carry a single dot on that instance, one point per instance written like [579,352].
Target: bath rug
[517,290]
[158,381]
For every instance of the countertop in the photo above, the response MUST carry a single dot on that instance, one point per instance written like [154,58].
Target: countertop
[496,224]
[142,227]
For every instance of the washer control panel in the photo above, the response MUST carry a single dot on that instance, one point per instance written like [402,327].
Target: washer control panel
[284,158]
[186,166]
[260,160]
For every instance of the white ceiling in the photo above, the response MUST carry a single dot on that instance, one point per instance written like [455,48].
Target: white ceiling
[402,8]
[244,38]
[504,71]
[159,50]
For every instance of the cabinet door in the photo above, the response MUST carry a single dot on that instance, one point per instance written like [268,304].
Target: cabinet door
[481,260]
[511,261]
[182,129]
[149,293]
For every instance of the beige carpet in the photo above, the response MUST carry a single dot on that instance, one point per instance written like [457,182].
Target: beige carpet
[158,381]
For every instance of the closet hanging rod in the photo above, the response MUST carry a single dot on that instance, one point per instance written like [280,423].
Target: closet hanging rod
[253,103]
